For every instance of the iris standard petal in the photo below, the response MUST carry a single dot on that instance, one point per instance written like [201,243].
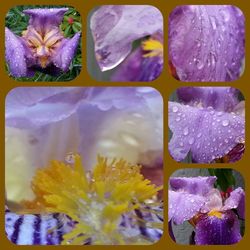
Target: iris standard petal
[211,230]
[236,200]
[115,27]
[15,54]
[207,42]
[35,107]
[66,52]
[183,206]
[45,19]
[193,185]
[206,133]
[220,98]
[106,98]
[136,67]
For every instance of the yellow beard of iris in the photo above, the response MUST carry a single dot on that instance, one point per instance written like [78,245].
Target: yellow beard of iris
[43,46]
[153,48]
[95,201]
[215,213]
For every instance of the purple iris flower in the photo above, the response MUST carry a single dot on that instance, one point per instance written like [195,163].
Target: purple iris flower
[207,42]
[115,28]
[214,217]
[42,45]
[209,123]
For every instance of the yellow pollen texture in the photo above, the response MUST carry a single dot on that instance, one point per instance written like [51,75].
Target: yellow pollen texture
[153,47]
[96,201]
[215,214]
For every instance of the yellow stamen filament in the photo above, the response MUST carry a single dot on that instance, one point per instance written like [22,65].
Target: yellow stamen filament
[95,201]
[153,46]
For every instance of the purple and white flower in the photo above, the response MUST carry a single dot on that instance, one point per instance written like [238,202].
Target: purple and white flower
[215,218]
[206,43]
[209,123]
[42,45]
[115,28]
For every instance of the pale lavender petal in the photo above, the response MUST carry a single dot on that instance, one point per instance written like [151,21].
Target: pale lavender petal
[207,42]
[194,185]
[138,68]
[15,54]
[33,107]
[66,52]
[206,133]
[118,97]
[236,200]
[115,27]
[211,230]
[183,206]
[213,201]
[220,98]
[44,19]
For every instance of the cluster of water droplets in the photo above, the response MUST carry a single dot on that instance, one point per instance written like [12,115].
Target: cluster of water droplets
[208,133]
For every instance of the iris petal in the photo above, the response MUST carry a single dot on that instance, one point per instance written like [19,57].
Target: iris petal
[183,206]
[211,230]
[220,98]
[45,19]
[15,54]
[34,107]
[206,133]
[236,200]
[206,42]
[66,52]
[115,27]
[137,68]
[195,185]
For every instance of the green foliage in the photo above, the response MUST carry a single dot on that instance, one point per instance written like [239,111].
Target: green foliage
[17,22]
[225,178]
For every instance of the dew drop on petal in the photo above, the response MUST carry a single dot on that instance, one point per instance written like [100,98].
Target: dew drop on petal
[199,135]
[185,131]
[225,123]
[191,141]
[175,109]
[178,119]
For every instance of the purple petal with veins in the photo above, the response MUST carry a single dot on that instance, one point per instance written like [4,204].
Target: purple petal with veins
[44,20]
[35,107]
[236,200]
[138,68]
[66,52]
[115,27]
[15,54]
[207,42]
[211,230]
[206,133]
[219,98]
[195,185]
[183,206]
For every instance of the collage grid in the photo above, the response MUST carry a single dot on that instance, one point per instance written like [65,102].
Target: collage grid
[177,176]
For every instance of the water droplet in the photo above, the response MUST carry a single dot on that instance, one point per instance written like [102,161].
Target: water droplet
[175,109]
[225,123]
[199,135]
[185,131]
[191,141]
[178,119]
[220,113]
[226,140]
[70,158]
